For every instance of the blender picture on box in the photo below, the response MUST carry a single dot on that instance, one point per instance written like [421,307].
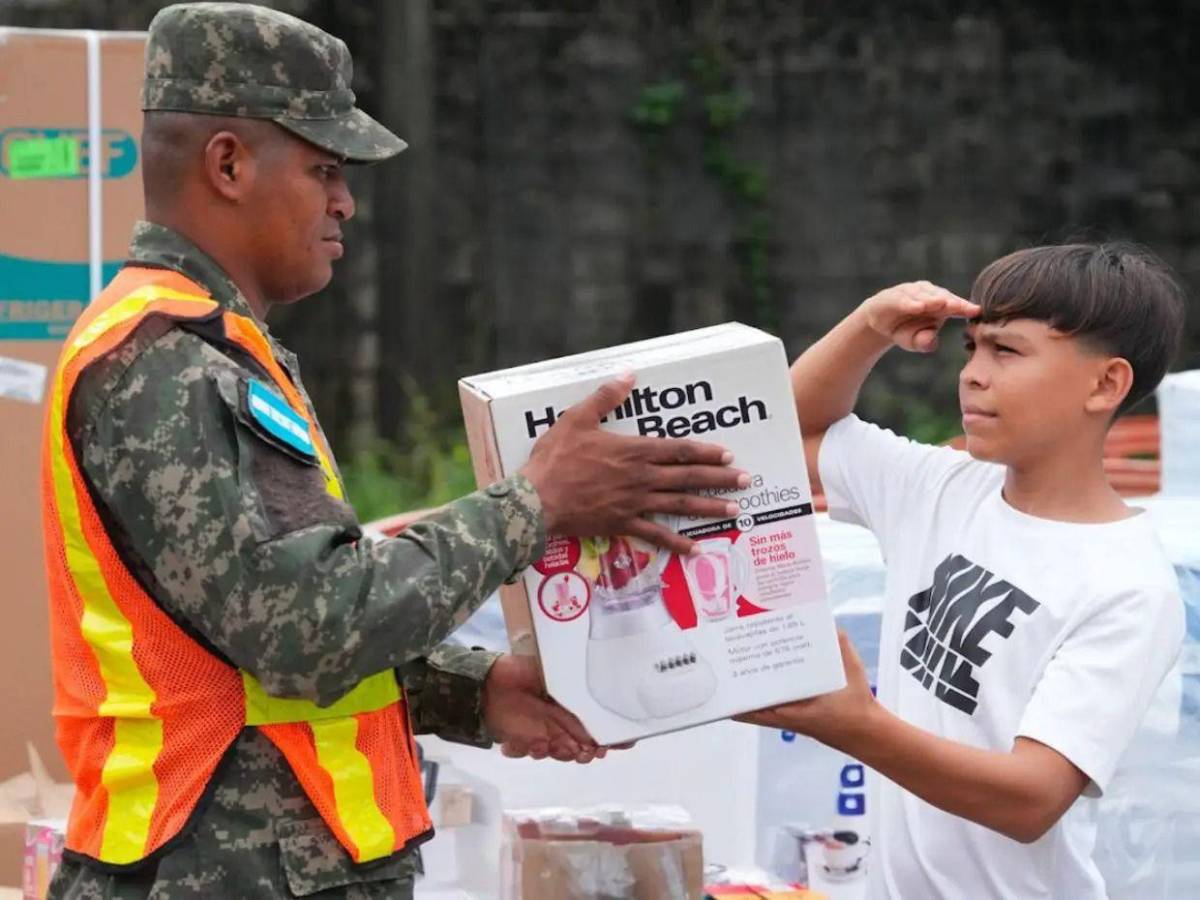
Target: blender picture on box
[633,639]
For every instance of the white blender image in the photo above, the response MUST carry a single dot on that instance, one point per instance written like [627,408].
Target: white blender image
[640,664]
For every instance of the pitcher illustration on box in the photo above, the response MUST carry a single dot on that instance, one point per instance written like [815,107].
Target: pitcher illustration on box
[710,576]
[640,664]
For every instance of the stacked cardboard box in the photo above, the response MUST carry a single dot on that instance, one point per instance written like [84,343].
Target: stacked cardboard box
[70,191]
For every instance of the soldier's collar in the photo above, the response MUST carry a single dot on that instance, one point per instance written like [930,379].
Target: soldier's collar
[162,247]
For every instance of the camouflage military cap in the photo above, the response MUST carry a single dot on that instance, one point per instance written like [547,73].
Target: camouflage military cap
[236,59]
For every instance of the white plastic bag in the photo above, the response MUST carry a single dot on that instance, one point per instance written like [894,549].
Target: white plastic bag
[1179,424]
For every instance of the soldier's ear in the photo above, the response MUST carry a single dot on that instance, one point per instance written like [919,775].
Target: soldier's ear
[229,165]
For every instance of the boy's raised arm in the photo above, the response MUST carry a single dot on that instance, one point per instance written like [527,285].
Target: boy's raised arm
[827,377]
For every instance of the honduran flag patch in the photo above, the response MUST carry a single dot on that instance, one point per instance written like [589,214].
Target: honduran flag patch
[278,419]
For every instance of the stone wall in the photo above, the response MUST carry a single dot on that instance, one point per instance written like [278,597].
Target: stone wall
[879,143]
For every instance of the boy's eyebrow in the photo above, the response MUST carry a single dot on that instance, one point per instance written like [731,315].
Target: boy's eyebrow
[993,333]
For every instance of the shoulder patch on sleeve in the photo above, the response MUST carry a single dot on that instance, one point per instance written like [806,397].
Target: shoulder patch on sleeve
[272,414]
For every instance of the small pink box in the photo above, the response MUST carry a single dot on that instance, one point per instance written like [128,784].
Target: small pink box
[43,852]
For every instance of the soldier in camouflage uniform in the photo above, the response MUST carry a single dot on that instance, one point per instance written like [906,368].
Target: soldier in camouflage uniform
[236,537]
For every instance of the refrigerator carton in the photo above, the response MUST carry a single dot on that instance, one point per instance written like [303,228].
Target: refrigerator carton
[70,191]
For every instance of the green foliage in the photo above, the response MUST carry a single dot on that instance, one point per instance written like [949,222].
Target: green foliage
[657,105]
[928,424]
[718,106]
[724,108]
[430,466]
[385,479]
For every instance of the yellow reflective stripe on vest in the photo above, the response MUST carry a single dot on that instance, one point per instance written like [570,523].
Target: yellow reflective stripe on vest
[132,787]
[128,773]
[332,485]
[353,787]
[132,304]
[368,695]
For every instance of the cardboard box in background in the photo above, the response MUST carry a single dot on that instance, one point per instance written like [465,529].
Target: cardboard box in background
[648,867]
[33,806]
[46,157]
[643,853]
[637,641]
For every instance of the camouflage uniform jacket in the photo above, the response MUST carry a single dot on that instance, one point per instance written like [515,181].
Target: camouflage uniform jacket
[239,542]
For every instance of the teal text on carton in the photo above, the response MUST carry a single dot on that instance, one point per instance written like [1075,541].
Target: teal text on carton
[40,299]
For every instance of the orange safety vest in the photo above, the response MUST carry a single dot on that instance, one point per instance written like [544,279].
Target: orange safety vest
[144,712]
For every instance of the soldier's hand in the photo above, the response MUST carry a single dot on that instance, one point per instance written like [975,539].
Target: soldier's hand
[528,723]
[911,315]
[595,482]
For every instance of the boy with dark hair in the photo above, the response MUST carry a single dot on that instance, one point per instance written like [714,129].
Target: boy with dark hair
[1030,615]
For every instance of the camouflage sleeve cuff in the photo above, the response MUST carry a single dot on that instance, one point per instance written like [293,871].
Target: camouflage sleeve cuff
[445,693]
[522,510]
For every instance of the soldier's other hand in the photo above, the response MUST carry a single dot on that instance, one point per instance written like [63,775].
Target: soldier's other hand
[595,482]
[525,721]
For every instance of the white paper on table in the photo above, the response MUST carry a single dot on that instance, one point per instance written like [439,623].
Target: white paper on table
[34,794]
[21,380]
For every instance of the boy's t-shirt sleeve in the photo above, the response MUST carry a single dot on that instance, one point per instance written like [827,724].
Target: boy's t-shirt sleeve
[872,476]
[1096,688]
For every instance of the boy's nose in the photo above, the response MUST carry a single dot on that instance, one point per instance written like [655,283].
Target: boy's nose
[973,375]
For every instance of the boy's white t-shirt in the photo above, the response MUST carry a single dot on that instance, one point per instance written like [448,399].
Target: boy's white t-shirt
[998,624]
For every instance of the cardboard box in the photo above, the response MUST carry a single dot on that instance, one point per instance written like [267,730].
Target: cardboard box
[561,855]
[31,803]
[636,641]
[57,219]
